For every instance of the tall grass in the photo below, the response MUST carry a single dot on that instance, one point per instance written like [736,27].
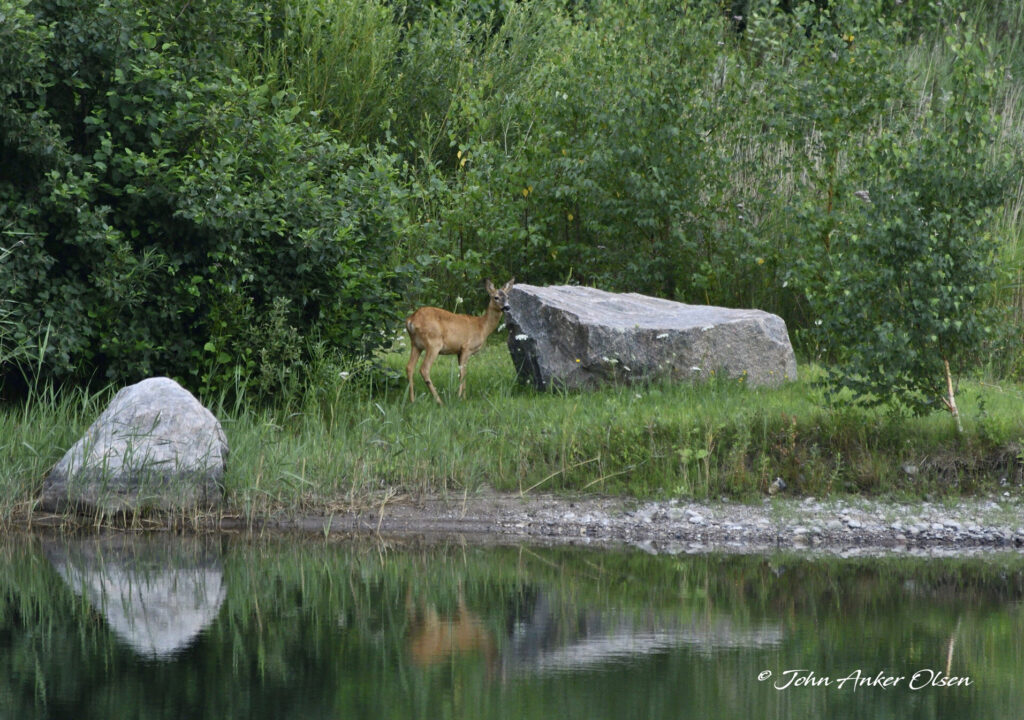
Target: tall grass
[658,440]
[34,435]
[338,55]
[354,443]
[929,64]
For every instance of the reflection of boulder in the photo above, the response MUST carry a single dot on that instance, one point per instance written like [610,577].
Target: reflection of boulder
[550,638]
[157,594]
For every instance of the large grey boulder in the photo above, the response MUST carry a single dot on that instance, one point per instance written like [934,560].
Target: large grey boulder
[571,337]
[155,447]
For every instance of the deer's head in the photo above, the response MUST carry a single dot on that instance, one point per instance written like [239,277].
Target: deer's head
[499,296]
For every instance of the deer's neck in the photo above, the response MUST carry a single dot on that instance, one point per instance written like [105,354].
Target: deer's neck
[489,320]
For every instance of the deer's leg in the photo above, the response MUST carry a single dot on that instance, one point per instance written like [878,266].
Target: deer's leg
[463,359]
[429,356]
[414,355]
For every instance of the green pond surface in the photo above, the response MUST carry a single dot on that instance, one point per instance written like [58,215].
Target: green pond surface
[122,626]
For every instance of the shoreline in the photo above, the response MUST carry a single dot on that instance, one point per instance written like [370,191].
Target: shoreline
[842,526]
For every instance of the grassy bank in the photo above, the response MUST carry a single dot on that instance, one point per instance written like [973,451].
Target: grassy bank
[344,442]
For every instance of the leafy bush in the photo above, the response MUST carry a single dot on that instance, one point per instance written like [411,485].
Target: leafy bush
[214,189]
[572,146]
[163,212]
[904,301]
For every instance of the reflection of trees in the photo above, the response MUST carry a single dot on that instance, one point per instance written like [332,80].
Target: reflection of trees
[156,594]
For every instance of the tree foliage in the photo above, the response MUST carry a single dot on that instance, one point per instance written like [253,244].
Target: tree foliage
[212,190]
[904,298]
[171,216]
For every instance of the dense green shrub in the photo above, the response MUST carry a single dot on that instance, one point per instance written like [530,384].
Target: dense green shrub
[219,190]
[165,214]
[574,148]
[904,299]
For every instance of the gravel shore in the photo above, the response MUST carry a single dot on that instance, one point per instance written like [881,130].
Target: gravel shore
[843,526]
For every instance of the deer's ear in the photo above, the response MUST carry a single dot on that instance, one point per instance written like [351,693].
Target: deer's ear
[490,286]
[509,284]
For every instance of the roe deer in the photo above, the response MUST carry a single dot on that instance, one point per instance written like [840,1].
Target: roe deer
[434,332]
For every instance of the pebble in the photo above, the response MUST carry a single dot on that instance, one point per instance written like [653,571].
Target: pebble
[915,528]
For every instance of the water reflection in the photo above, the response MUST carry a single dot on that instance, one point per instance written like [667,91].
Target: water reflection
[436,638]
[156,593]
[553,638]
[291,628]
[548,636]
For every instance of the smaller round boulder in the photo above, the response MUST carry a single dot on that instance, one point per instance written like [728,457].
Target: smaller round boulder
[155,447]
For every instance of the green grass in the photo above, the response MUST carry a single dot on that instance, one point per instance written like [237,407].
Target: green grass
[343,444]
[34,436]
[656,440]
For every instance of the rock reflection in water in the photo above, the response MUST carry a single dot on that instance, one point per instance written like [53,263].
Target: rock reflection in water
[551,638]
[544,635]
[157,594]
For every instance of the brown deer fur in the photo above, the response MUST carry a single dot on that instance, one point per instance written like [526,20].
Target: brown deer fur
[433,331]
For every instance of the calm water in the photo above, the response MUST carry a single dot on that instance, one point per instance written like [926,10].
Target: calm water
[121,627]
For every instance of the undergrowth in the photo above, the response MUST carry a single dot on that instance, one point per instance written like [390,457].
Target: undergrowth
[351,442]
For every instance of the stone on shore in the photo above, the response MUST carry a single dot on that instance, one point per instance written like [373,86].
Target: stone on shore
[571,337]
[155,447]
